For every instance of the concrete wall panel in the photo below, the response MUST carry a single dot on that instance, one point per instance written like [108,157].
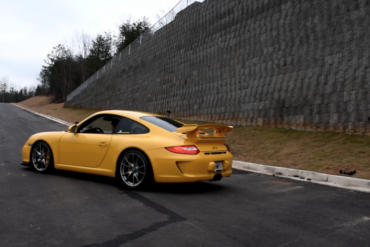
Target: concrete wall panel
[286,63]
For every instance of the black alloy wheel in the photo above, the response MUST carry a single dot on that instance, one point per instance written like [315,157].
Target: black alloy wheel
[42,157]
[134,170]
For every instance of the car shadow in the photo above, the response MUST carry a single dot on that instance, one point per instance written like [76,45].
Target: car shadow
[170,188]
[76,175]
[186,188]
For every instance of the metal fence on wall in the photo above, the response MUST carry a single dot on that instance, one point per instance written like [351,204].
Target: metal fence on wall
[125,53]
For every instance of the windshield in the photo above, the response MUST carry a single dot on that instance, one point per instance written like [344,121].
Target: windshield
[163,122]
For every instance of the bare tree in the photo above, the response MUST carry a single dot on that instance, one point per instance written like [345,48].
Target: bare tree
[164,18]
[83,44]
[4,86]
[81,49]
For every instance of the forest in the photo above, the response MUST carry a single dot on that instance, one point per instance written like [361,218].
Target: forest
[68,66]
[9,93]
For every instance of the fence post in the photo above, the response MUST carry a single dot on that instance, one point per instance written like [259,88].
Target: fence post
[129,49]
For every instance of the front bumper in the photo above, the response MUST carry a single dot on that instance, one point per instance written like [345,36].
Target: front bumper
[26,149]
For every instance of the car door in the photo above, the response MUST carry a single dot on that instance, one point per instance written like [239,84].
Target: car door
[89,145]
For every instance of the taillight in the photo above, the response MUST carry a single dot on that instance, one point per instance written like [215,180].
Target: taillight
[186,149]
[227,147]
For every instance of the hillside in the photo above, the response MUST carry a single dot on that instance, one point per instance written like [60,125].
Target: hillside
[326,152]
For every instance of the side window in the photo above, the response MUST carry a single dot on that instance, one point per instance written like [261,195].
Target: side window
[101,124]
[128,126]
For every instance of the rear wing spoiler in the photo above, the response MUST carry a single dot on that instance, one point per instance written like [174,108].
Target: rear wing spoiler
[192,131]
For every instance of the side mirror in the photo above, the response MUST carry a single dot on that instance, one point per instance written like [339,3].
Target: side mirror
[72,128]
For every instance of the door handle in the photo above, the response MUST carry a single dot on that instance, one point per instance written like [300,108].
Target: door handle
[103,144]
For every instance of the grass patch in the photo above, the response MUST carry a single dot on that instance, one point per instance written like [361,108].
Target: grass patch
[326,152]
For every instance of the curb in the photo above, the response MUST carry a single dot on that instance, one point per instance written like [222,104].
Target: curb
[357,184]
[45,116]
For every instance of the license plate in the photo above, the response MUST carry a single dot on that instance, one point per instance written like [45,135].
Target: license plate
[218,166]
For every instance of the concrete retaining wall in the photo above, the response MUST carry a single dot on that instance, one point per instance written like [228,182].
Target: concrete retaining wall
[287,63]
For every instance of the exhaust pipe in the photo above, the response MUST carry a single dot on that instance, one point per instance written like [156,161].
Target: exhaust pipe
[217,177]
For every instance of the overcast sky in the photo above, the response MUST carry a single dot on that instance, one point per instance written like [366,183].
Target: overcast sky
[29,29]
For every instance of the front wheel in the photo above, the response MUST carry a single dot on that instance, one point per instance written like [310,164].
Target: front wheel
[134,169]
[42,157]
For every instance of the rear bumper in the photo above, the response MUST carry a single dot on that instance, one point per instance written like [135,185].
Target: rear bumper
[179,168]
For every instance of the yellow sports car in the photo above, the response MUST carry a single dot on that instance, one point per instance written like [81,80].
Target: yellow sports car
[136,147]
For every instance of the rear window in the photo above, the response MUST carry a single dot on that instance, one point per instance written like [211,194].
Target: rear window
[163,122]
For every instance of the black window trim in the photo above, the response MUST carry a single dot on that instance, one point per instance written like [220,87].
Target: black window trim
[92,119]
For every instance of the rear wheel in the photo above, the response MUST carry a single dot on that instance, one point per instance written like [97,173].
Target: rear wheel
[134,169]
[42,157]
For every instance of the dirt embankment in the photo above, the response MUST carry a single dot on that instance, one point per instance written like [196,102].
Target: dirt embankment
[44,105]
[326,152]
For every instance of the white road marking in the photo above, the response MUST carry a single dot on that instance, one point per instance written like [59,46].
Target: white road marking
[354,222]
[45,116]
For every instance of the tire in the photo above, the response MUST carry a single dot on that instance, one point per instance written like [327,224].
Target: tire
[42,157]
[134,170]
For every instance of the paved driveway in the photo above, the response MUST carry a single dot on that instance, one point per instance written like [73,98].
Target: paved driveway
[71,209]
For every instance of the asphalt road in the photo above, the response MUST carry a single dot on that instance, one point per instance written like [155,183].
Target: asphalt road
[247,209]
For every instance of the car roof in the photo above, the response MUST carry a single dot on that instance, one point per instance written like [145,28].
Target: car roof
[125,113]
